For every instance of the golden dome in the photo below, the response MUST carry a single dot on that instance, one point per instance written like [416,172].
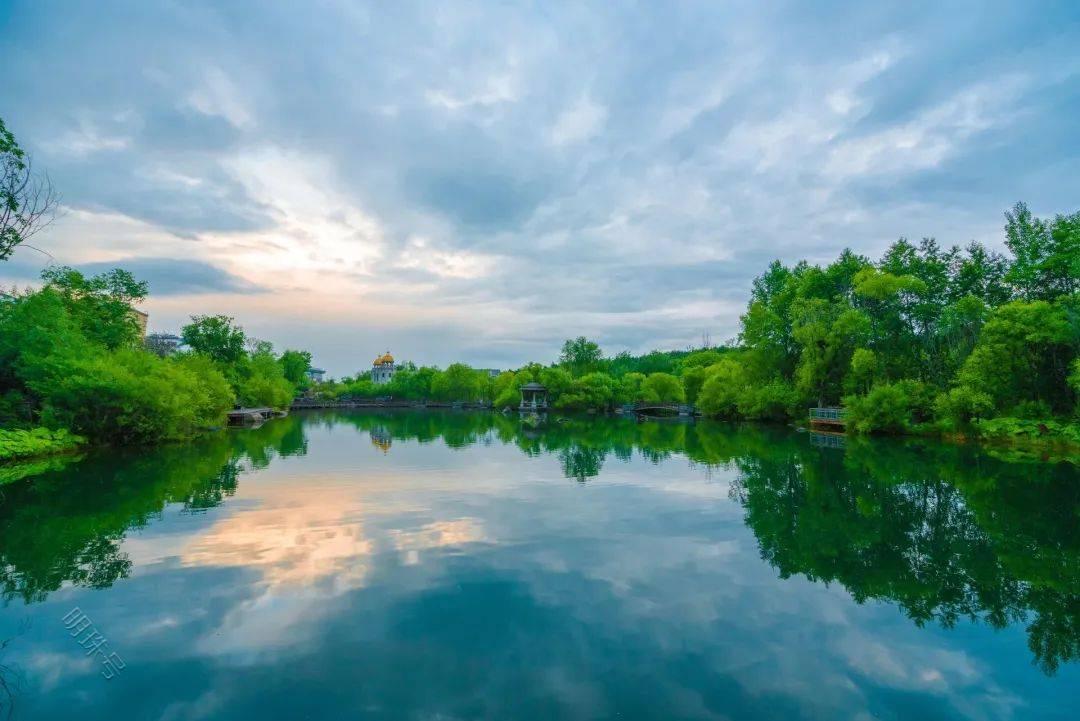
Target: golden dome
[385,358]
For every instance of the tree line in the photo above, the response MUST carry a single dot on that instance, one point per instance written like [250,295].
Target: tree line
[924,340]
[72,357]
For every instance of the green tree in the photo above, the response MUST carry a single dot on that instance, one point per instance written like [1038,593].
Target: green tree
[725,384]
[101,304]
[261,382]
[1023,355]
[216,336]
[458,382]
[580,355]
[295,364]
[663,388]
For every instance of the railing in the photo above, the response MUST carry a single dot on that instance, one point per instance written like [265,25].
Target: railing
[827,440]
[835,415]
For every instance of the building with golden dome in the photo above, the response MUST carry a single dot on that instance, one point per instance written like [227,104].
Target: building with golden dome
[382,370]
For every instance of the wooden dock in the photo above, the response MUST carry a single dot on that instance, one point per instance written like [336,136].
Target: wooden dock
[242,416]
[828,418]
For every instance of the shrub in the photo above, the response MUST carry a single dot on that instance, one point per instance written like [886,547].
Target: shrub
[774,401]
[725,382]
[959,406]
[130,396]
[1012,428]
[36,442]
[663,388]
[889,408]
[593,391]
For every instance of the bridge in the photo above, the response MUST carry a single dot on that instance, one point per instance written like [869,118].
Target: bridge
[302,403]
[661,409]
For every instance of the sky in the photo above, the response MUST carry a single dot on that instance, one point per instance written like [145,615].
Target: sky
[476,182]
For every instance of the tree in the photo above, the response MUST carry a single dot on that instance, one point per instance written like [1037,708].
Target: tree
[1022,356]
[295,363]
[260,381]
[720,394]
[580,355]
[216,336]
[101,304]
[593,391]
[458,382]
[663,388]
[28,201]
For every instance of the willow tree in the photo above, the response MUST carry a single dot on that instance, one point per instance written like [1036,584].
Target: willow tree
[27,199]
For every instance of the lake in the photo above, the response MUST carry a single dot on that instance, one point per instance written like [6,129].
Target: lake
[466,565]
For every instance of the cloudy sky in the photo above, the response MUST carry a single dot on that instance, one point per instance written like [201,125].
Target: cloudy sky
[478,181]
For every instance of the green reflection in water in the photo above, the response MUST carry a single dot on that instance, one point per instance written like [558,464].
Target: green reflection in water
[944,532]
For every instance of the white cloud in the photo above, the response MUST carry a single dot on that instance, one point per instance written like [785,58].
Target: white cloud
[579,122]
[217,95]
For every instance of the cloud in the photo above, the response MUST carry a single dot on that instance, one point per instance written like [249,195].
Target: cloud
[570,169]
[579,122]
[176,276]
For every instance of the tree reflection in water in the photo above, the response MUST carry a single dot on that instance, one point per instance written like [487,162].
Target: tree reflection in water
[945,532]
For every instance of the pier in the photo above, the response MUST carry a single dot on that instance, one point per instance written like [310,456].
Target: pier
[828,418]
[240,416]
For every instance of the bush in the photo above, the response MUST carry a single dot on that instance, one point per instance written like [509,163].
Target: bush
[131,396]
[663,388]
[262,382]
[725,383]
[595,391]
[36,442]
[774,401]
[959,406]
[1013,428]
[889,408]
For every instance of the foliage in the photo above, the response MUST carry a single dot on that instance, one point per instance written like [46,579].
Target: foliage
[27,200]
[458,382]
[720,394]
[216,336]
[595,391]
[890,408]
[982,334]
[101,304]
[261,382]
[772,401]
[131,396]
[1022,355]
[295,364]
[958,407]
[36,442]
[1029,429]
[70,361]
[663,388]
[580,355]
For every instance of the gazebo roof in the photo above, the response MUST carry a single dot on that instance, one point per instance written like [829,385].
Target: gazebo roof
[533,386]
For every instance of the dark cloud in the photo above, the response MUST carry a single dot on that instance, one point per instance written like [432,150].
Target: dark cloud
[176,276]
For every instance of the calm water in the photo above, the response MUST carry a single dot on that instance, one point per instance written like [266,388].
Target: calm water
[463,566]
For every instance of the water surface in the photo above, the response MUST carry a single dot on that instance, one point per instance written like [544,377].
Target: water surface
[410,565]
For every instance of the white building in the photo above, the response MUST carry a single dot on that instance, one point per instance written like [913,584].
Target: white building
[382,370]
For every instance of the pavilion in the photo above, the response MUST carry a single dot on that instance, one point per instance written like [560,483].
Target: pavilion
[533,397]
